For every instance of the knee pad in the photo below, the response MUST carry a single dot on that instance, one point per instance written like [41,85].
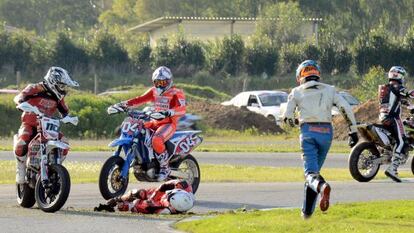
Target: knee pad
[158,144]
[309,201]
[20,148]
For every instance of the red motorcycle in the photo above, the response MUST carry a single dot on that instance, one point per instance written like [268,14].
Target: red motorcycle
[47,180]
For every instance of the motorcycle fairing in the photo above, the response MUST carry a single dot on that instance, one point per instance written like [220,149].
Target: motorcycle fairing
[185,141]
[120,142]
[50,128]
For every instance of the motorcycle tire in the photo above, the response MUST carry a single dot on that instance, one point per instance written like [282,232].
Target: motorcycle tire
[109,184]
[190,165]
[53,198]
[412,165]
[354,159]
[25,195]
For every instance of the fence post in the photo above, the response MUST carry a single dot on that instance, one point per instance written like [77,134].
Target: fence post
[95,80]
[18,79]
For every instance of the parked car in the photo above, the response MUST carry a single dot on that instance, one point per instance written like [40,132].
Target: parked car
[354,102]
[266,103]
[349,98]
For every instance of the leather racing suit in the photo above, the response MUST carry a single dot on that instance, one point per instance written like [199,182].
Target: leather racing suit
[152,200]
[391,97]
[38,96]
[173,101]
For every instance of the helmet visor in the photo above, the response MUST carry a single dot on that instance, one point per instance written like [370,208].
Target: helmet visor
[395,75]
[309,71]
[161,83]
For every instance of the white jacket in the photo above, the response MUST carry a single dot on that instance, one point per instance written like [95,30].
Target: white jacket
[314,101]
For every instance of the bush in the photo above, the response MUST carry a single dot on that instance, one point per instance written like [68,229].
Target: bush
[291,55]
[343,60]
[68,55]
[374,49]
[368,87]
[140,56]
[105,51]
[227,55]
[261,58]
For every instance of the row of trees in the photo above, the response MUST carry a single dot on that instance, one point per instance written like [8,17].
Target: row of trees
[232,55]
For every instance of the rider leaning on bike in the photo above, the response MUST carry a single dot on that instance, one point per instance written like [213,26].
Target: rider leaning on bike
[391,96]
[47,96]
[170,102]
[314,101]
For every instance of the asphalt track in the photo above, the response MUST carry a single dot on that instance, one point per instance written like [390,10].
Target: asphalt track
[232,158]
[77,214]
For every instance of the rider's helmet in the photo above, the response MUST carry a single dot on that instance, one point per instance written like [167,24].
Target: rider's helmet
[308,70]
[56,81]
[162,79]
[397,73]
[180,200]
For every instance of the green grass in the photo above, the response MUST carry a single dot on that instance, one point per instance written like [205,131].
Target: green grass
[378,217]
[240,143]
[89,173]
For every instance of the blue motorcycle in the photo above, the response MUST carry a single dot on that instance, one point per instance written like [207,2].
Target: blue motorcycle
[134,150]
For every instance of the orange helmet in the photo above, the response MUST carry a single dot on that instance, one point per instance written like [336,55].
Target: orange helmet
[308,70]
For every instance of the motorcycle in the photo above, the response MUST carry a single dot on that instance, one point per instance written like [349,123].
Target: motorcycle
[135,144]
[47,180]
[376,149]
[188,122]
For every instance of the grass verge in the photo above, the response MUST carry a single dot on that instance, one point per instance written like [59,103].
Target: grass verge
[89,173]
[384,216]
[266,143]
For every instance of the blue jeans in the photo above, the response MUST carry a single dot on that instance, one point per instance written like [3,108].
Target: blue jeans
[315,141]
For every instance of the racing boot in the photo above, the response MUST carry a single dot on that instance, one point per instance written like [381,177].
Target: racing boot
[309,202]
[318,184]
[391,171]
[21,169]
[165,170]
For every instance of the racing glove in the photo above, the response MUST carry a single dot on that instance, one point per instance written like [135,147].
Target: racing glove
[353,139]
[291,122]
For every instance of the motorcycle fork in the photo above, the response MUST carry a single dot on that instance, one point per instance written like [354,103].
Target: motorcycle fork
[43,163]
[129,159]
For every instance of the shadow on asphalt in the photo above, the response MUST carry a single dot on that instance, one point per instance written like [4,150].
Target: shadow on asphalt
[232,206]
[125,215]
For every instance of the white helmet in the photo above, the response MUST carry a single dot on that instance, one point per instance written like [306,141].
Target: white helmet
[181,200]
[57,79]
[162,79]
[397,73]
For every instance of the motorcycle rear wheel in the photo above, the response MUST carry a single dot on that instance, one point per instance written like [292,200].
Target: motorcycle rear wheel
[412,165]
[110,185]
[25,195]
[360,159]
[54,197]
[190,166]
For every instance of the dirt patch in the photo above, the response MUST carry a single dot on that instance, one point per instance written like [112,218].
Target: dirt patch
[365,113]
[229,117]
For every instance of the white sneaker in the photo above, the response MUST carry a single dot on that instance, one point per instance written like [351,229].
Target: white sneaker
[21,170]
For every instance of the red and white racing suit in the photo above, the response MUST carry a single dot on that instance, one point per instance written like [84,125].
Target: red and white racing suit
[152,200]
[172,100]
[38,96]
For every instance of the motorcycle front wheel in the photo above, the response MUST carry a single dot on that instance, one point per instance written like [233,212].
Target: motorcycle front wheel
[189,166]
[110,183]
[52,197]
[25,195]
[361,165]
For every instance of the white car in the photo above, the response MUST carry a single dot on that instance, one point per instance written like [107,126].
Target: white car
[266,103]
